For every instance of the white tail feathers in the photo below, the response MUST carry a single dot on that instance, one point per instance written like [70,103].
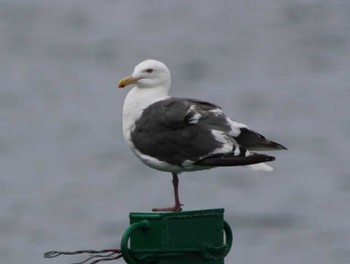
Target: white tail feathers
[260,167]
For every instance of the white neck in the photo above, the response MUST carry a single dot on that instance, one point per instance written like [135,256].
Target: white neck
[136,101]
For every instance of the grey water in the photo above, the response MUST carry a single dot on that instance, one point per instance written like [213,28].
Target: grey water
[68,179]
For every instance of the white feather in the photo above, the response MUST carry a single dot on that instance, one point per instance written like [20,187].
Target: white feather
[260,167]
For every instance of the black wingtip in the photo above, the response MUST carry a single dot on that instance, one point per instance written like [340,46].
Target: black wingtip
[268,158]
[228,161]
[279,146]
[254,141]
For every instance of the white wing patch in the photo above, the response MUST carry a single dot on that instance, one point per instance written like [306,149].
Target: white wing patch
[216,111]
[196,115]
[235,127]
[220,136]
[236,152]
[194,119]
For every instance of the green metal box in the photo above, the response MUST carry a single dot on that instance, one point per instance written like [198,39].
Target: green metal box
[188,237]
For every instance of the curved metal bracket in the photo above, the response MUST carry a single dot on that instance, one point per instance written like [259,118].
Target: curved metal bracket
[125,239]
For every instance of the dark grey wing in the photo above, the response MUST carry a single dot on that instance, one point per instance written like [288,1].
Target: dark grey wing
[241,133]
[214,118]
[203,104]
[183,131]
[169,130]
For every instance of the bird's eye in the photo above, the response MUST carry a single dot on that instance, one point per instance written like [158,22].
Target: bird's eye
[149,70]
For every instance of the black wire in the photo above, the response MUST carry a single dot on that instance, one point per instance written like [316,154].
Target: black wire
[103,255]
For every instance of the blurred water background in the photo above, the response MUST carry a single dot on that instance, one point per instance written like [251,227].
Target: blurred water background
[68,179]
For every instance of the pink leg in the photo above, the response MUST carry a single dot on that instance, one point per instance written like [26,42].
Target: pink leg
[177,206]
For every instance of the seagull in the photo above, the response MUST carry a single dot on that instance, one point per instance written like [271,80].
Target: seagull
[180,134]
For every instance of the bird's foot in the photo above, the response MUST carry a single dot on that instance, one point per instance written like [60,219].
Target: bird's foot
[175,208]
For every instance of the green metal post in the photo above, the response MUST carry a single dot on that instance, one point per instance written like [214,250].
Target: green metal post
[190,237]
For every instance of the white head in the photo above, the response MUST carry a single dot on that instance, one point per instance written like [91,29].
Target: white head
[148,74]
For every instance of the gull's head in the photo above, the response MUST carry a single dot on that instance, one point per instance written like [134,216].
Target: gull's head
[148,74]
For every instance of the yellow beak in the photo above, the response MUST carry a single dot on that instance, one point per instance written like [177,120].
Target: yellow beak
[127,81]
